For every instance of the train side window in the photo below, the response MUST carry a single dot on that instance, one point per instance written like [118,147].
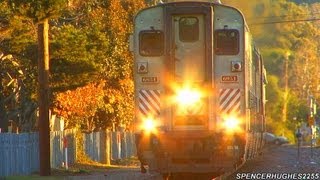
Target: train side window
[256,60]
[188,29]
[227,42]
[151,43]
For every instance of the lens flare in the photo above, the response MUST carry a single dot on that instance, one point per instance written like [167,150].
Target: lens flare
[232,124]
[187,97]
[149,125]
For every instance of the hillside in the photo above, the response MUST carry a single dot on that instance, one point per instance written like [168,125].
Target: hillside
[305,1]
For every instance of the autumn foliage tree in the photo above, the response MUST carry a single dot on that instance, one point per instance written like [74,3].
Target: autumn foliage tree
[79,106]
[280,28]
[119,24]
[88,43]
[93,36]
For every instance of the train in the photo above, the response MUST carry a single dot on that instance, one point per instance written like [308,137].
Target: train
[199,88]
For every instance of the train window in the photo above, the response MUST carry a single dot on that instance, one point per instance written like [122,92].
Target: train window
[256,60]
[188,29]
[226,42]
[151,43]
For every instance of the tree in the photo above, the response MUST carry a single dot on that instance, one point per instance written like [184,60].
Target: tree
[40,11]
[79,106]
[15,103]
[84,48]
[93,36]
[118,66]
[3,99]
[275,37]
[119,24]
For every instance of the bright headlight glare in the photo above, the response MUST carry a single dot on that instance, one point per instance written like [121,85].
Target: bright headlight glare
[231,123]
[149,125]
[188,97]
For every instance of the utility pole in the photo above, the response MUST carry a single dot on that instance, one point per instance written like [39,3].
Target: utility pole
[43,97]
[286,90]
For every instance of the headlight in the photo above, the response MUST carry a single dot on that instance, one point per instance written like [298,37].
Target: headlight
[188,97]
[149,125]
[188,101]
[231,124]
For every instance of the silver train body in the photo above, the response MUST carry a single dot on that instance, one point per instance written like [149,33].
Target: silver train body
[199,88]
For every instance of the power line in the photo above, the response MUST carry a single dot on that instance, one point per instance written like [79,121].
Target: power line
[289,21]
[283,16]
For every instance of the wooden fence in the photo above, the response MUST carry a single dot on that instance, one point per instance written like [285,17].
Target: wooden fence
[57,151]
[19,153]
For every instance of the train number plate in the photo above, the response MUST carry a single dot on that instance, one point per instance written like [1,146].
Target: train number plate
[229,79]
[149,80]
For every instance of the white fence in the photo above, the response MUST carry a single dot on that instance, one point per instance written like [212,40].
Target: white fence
[19,153]
[57,149]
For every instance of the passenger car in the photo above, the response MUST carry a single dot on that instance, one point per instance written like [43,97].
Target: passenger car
[273,139]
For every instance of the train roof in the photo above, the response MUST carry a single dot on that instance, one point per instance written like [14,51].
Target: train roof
[215,2]
[211,1]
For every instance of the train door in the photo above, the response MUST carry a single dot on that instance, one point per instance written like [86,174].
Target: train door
[189,74]
[189,67]
[189,51]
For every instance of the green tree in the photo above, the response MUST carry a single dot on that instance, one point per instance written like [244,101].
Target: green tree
[277,29]
[15,102]
[82,48]
[40,11]
[93,36]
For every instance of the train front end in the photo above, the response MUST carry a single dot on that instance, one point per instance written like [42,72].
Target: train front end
[191,92]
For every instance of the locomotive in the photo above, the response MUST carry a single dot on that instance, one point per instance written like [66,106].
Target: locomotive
[199,88]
